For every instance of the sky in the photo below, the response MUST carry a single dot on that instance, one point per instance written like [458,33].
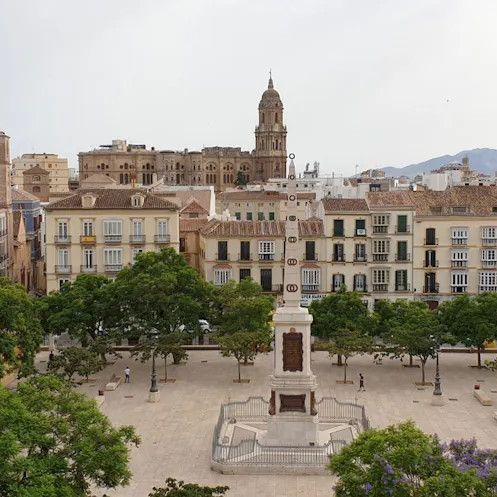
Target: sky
[368,82]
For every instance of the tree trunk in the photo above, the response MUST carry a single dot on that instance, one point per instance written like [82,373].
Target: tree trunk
[245,360]
[165,369]
[479,356]
[339,360]
[410,361]
[423,362]
[345,371]
[239,373]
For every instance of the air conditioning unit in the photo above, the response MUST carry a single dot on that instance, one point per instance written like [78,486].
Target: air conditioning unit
[361,232]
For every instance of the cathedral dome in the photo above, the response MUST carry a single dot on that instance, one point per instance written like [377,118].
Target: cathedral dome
[270,98]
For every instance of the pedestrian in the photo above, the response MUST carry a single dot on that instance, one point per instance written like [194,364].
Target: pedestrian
[51,356]
[127,374]
[361,383]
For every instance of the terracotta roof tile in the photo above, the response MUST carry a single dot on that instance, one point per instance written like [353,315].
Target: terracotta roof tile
[344,205]
[22,196]
[261,196]
[108,198]
[186,225]
[193,207]
[36,170]
[233,229]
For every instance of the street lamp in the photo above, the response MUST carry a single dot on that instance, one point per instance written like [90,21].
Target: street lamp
[437,399]
[153,393]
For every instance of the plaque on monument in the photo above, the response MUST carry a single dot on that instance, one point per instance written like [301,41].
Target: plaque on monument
[292,351]
[292,403]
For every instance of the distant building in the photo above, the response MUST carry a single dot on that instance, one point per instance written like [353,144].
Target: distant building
[6,222]
[37,182]
[56,166]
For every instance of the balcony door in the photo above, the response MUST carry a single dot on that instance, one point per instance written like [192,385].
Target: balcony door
[267,280]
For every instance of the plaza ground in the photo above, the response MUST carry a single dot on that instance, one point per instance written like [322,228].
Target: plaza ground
[177,432]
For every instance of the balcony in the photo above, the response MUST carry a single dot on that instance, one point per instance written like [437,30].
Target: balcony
[459,241]
[162,239]
[137,239]
[88,239]
[310,288]
[489,264]
[338,258]
[402,257]
[361,258]
[113,238]
[223,257]
[433,288]
[244,257]
[361,289]
[360,232]
[3,233]
[405,231]
[113,268]
[430,263]
[338,234]
[62,239]
[310,257]
[458,263]
[458,289]
[276,288]
[431,241]
[489,241]
[266,257]
[380,287]
[63,269]
[88,269]
[403,288]
[381,229]
[380,257]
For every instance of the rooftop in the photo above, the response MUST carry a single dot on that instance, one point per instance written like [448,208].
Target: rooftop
[344,205]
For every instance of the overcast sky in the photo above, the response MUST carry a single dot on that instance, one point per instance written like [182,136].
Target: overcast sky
[366,82]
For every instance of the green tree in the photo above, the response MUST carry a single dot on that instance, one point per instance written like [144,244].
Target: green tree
[401,461]
[163,345]
[241,179]
[342,310]
[76,360]
[21,332]
[471,320]
[243,345]
[175,488]
[348,342]
[56,442]
[86,309]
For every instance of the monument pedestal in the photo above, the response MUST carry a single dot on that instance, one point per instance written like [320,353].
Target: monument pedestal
[437,400]
[153,397]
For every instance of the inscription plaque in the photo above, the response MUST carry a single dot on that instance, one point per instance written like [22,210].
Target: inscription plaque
[292,351]
[292,403]
[272,403]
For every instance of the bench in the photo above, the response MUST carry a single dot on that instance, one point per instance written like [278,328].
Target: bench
[99,399]
[113,383]
[483,398]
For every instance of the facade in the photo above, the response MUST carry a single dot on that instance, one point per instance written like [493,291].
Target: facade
[56,166]
[36,181]
[221,167]
[22,268]
[6,222]
[102,231]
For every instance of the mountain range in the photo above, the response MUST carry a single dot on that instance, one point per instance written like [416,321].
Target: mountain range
[483,160]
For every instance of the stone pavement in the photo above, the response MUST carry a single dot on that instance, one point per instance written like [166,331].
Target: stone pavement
[177,432]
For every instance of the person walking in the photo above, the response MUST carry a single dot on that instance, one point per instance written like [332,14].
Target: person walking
[361,383]
[51,356]
[127,374]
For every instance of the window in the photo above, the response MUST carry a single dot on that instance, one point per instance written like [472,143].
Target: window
[431,258]
[63,261]
[380,223]
[311,279]
[488,281]
[338,229]
[360,283]
[338,252]
[62,282]
[459,258]
[337,281]
[62,230]
[137,228]
[458,282]
[221,276]
[88,259]
[182,245]
[489,257]
[134,253]
[402,224]
[381,277]
[401,284]
[112,230]
[431,285]
[137,200]
[260,216]
[381,248]
[489,235]
[360,227]
[402,251]
[37,189]
[222,250]
[238,216]
[271,216]
[267,280]
[266,250]
[360,252]
[248,215]
[162,227]
[245,251]
[113,259]
[430,237]
[310,250]
[87,228]
[244,273]
[459,236]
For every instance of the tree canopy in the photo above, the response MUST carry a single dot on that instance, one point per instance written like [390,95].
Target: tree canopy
[56,442]
[175,488]
[21,332]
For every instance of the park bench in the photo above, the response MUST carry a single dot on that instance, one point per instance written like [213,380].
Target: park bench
[483,397]
[113,383]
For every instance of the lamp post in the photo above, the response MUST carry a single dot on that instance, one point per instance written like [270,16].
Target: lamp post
[153,393]
[437,399]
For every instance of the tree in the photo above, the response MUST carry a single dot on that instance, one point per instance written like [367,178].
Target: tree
[401,461]
[56,442]
[243,345]
[415,330]
[471,320]
[76,360]
[21,332]
[348,342]
[86,309]
[241,179]
[175,488]
[163,345]
[340,311]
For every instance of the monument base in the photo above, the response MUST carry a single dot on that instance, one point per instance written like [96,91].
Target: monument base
[153,397]
[291,430]
[438,400]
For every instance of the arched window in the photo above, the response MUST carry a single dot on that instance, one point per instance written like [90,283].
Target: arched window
[36,189]
[126,179]
[121,178]
[263,118]
[276,117]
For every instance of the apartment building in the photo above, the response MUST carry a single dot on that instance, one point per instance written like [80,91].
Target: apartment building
[56,166]
[6,220]
[234,250]
[102,231]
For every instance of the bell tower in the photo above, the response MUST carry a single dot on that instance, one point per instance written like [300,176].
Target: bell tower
[270,136]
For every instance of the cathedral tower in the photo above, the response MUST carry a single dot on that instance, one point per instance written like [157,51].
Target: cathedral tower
[270,136]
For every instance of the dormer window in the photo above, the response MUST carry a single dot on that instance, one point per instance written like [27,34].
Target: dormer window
[88,201]
[137,200]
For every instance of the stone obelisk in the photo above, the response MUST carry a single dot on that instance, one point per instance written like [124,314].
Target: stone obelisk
[292,413]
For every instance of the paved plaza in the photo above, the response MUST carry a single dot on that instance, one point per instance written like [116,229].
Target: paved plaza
[177,432]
